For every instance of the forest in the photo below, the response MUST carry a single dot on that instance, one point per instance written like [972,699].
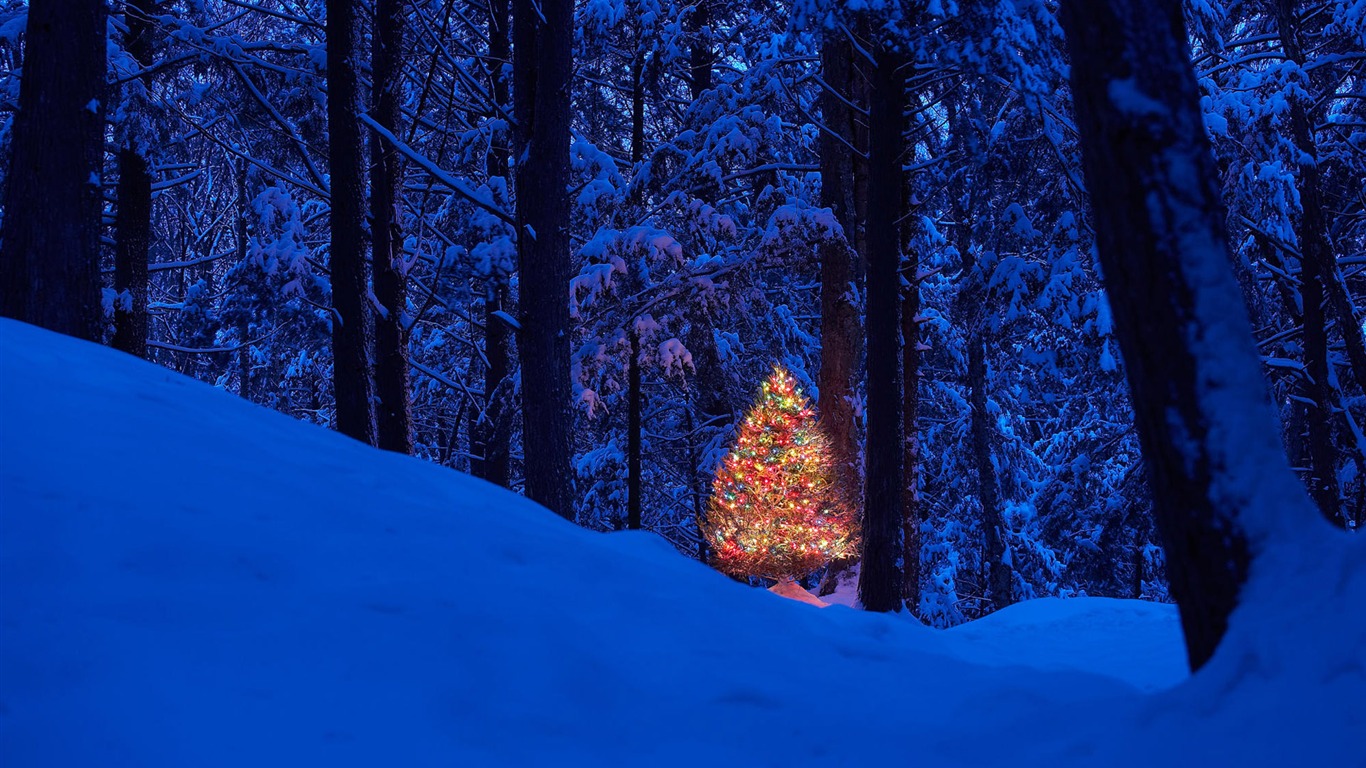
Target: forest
[1053,298]
[890,202]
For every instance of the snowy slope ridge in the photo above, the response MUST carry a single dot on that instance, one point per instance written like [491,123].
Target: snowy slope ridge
[189,580]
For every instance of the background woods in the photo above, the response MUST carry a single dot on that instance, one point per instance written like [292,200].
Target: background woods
[558,245]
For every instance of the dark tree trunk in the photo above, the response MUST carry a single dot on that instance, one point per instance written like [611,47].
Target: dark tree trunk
[243,327]
[1321,478]
[633,396]
[1137,560]
[1317,268]
[50,256]
[859,87]
[880,577]
[490,430]
[1204,420]
[708,406]
[542,78]
[133,214]
[973,304]
[490,433]
[911,513]
[840,330]
[352,323]
[841,340]
[638,108]
[999,579]
[1313,232]
[633,392]
[132,239]
[699,484]
[393,413]
[701,56]
[710,411]
[1344,314]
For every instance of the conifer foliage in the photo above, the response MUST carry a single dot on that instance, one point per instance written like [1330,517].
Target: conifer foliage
[776,509]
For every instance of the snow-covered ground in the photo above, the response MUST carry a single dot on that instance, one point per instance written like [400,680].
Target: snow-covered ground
[189,580]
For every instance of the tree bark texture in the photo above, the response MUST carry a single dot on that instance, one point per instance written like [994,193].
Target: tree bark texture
[912,513]
[701,55]
[1205,423]
[840,331]
[132,240]
[352,321]
[543,36]
[133,213]
[50,256]
[633,392]
[1317,269]
[880,576]
[1000,587]
[633,428]
[638,108]
[393,412]
[491,432]
[240,251]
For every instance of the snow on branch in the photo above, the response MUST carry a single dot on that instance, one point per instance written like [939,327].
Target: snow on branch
[480,200]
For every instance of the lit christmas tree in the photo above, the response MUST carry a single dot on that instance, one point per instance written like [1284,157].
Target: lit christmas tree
[775,509]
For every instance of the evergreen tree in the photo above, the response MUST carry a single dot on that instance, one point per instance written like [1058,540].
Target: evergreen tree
[776,509]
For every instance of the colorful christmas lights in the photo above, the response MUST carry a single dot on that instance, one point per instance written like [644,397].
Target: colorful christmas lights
[775,510]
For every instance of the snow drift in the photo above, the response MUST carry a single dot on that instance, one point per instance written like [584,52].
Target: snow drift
[188,579]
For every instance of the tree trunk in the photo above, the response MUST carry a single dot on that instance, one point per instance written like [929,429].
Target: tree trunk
[698,480]
[1217,473]
[709,407]
[999,579]
[859,87]
[542,79]
[393,414]
[352,370]
[973,305]
[638,109]
[633,396]
[1321,477]
[243,327]
[50,256]
[132,239]
[490,433]
[490,429]
[1354,338]
[840,330]
[1315,243]
[841,342]
[133,214]
[1317,267]
[633,393]
[708,402]
[911,513]
[880,577]
[701,57]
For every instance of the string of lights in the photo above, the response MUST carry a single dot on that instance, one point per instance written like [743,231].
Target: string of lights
[775,510]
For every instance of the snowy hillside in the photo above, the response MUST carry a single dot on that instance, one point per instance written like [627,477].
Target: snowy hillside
[190,580]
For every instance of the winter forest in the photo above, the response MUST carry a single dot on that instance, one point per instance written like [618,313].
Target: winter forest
[928,308]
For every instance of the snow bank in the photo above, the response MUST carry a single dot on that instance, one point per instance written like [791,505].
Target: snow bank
[1136,641]
[187,579]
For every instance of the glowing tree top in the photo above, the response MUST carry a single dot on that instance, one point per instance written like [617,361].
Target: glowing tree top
[775,509]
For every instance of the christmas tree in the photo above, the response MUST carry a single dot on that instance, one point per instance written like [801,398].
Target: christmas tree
[775,509]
